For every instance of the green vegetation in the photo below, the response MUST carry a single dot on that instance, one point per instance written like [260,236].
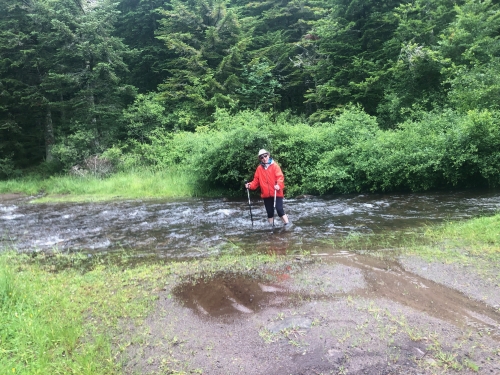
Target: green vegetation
[349,95]
[481,235]
[351,154]
[55,323]
[476,240]
[348,155]
[131,185]
[473,242]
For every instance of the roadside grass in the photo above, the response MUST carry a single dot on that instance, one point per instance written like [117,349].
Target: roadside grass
[62,315]
[135,184]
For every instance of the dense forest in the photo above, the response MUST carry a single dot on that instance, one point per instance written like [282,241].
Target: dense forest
[349,95]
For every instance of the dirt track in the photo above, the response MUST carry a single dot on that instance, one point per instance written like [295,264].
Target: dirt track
[348,314]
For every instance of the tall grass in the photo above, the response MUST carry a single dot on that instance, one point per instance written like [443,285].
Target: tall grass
[133,184]
[27,185]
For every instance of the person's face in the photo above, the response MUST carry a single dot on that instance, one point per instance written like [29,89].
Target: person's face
[264,157]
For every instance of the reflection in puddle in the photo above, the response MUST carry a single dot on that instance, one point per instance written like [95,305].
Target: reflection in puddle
[229,295]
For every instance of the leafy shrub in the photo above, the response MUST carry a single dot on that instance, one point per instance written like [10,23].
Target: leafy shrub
[443,149]
[350,154]
[334,171]
[223,154]
[7,168]
[74,148]
[472,152]
[164,149]
[232,155]
[297,146]
[233,158]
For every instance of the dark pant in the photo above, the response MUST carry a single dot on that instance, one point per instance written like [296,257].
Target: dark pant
[269,203]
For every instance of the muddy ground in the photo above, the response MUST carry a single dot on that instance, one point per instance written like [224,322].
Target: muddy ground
[343,314]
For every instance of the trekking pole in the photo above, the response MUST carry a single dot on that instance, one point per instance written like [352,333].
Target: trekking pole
[274,206]
[249,205]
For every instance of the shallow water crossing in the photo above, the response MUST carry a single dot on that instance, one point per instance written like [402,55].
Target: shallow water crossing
[176,229]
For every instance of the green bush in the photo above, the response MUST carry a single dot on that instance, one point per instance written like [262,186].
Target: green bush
[407,158]
[350,154]
[296,146]
[335,170]
[444,149]
[232,156]
[7,168]
[472,153]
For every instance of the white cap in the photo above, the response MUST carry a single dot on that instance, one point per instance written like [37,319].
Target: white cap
[262,151]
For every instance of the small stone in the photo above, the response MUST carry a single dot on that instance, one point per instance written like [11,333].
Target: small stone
[431,361]
[418,352]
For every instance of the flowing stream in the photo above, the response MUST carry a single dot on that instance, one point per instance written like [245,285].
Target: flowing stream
[187,228]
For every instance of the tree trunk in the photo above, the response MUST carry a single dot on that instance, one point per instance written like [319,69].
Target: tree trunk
[93,119]
[49,136]
[63,110]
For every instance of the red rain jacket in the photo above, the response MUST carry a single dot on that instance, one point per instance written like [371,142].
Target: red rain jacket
[266,179]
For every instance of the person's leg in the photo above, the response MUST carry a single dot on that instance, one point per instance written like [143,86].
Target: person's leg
[281,211]
[269,203]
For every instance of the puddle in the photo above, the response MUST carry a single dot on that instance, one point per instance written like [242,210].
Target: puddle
[238,295]
[229,295]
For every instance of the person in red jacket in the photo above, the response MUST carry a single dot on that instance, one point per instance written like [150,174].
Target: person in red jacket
[269,177]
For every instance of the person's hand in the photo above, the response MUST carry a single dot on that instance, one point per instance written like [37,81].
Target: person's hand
[276,187]
[247,185]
